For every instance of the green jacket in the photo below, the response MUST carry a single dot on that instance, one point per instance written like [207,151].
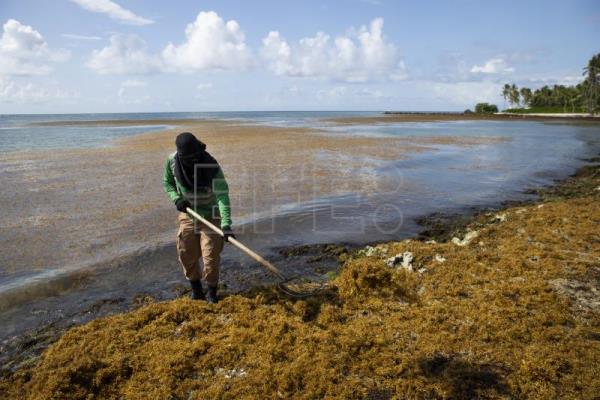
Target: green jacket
[204,204]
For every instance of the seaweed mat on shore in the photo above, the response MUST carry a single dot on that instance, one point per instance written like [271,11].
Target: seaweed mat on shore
[514,313]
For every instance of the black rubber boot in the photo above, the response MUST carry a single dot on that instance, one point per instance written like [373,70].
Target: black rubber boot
[211,295]
[197,292]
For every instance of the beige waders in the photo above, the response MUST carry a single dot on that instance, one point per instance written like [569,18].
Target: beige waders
[196,240]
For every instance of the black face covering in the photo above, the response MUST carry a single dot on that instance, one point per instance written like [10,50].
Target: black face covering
[193,164]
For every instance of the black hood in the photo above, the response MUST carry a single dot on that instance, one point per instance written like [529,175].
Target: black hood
[187,144]
[193,164]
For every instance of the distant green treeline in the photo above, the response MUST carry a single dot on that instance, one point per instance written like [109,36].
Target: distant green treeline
[583,97]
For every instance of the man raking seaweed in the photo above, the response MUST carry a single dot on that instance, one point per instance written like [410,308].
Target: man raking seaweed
[195,182]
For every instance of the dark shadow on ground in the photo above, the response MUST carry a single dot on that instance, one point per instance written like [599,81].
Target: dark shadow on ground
[465,380]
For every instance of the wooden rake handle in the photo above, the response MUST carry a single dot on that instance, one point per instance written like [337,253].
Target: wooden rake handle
[238,244]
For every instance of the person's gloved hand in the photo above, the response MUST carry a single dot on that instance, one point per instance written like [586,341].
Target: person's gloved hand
[182,204]
[227,233]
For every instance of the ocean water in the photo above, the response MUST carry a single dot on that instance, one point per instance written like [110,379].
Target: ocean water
[446,177]
[20,132]
[533,154]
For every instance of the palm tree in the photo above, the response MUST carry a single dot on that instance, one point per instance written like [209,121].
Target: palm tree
[526,95]
[585,94]
[558,96]
[592,74]
[542,97]
[513,95]
[506,93]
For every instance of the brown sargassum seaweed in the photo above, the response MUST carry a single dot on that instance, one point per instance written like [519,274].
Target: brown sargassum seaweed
[512,314]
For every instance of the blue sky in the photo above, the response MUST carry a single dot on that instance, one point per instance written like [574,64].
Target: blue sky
[65,56]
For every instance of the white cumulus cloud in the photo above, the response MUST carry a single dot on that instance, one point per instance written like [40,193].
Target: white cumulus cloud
[27,93]
[126,54]
[210,43]
[23,51]
[113,10]
[359,56]
[493,66]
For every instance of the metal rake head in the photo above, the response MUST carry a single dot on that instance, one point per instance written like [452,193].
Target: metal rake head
[301,286]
